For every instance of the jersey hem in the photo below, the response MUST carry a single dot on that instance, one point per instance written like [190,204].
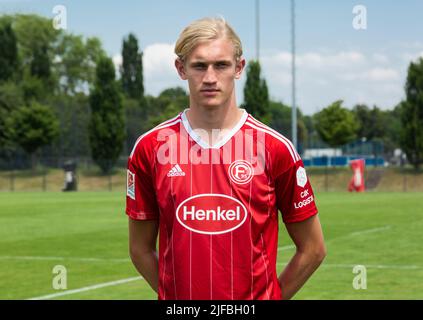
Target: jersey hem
[302,216]
[140,215]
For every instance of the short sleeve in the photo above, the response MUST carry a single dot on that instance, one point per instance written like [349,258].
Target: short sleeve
[295,198]
[141,202]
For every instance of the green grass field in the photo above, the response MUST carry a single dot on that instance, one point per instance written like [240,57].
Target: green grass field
[87,233]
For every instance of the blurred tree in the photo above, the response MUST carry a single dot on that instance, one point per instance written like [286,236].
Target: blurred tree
[313,138]
[32,127]
[10,99]
[167,105]
[336,125]
[8,50]
[135,119]
[153,111]
[73,112]
[77,62]
[40,64]
[372,128]
[37,48]
[256,95]
[106,127]
[37,40]
[370,122]
[280,115]
[132,68]
[54,68]
[33,33]
[392,125]
[412,115]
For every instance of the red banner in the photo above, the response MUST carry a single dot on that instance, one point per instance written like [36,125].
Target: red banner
[357,180]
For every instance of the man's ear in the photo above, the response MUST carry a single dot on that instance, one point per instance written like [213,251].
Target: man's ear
[180,67]
[239,68]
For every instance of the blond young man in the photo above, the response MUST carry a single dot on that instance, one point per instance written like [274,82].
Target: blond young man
[211,181]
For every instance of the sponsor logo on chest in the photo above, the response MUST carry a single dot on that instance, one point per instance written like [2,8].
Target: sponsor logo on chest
[211,213]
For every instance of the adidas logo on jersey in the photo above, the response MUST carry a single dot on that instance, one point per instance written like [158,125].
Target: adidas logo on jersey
[176,171]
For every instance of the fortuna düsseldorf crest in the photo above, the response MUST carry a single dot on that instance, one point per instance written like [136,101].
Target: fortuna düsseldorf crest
[241,172]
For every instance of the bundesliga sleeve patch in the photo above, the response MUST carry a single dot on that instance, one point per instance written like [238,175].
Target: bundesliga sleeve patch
[130,187]
[301,177]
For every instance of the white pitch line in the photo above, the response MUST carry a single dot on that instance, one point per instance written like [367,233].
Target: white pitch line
[370,231]
[46,258]
[353,234]
[84,289]
[291,246]
[371,266]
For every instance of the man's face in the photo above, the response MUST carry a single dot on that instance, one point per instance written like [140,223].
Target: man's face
[211,69]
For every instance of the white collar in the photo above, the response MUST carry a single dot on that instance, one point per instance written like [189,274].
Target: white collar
[197,138]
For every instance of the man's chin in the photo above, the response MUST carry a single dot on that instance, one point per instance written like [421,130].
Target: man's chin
[211,103]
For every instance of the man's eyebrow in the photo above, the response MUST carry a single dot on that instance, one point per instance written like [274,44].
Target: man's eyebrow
[202,62]
[198,62]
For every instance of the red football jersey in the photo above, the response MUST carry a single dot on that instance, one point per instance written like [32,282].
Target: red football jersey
[217,206]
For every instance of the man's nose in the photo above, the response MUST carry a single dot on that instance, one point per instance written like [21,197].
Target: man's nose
[210,76]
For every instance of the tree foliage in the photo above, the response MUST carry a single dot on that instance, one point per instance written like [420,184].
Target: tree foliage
[336,125]
[74,116]
[8,50]
[78,60]
[10,98]
[37,45]
[281,121]
[106,127]
[33,126]
[256,94]
[412,115]
[167,105]
[378,126]
[370,122]
[132,68]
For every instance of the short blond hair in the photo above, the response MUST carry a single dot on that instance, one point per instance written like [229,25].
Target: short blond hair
[204,30]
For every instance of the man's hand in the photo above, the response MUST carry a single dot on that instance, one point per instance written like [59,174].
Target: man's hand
[142,249]
[308,238]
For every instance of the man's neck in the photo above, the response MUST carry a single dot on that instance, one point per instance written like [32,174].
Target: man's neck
[222,118]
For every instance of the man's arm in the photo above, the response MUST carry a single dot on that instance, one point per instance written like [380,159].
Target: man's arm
[308,238]
[142,249]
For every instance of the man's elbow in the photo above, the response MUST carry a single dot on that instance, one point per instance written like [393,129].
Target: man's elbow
[320,253]
[135,252]
[316,254]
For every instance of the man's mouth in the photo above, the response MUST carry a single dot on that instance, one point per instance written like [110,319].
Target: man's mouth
[210,92]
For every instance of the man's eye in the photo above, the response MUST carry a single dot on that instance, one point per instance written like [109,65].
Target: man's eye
[221,65]
[199,67]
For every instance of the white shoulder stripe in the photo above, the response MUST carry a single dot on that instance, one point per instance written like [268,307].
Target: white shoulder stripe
[168,121]
[275,136]
[161,126]
[261,125]
[258,123]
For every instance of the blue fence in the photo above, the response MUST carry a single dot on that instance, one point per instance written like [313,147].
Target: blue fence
[341,161]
